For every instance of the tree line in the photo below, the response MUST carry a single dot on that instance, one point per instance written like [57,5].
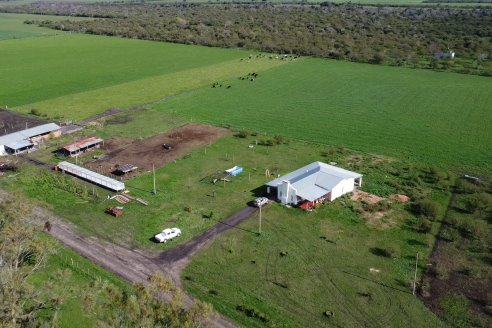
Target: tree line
[402,36]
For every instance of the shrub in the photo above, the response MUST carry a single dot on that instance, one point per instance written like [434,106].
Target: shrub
[474,229]
[35,112]
[477,202]
[427,208]
[448,234]
[455,310]
[423,225]
[242,134]
[389,251]
[252,313]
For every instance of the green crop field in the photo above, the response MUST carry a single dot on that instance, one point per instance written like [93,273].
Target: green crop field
[435,118]
[75,76]
[12,26]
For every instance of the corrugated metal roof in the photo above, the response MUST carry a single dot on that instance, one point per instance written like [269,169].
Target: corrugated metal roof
[125,168]
[82,143]
[92,176]
[19,144]
[313,169]
[28,133]
[315,180]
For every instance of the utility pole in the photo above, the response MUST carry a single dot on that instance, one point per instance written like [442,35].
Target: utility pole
[415,275]
[153,171]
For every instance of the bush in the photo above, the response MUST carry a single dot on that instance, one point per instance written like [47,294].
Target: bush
[35,112]
[474,229]
[455,310]
[252,313]
[448,234]
[389,251]
[477,202]
[427,208]
[423,225]
[242,134]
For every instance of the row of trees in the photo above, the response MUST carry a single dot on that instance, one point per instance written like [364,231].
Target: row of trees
[372,34]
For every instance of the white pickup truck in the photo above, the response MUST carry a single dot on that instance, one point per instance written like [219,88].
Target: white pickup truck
[167,234]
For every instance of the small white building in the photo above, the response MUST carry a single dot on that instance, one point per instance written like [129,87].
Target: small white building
[313,184]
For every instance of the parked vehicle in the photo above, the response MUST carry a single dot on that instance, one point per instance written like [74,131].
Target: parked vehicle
[261,201]
[167,234]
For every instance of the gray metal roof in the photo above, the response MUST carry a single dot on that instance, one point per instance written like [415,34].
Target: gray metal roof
[19,144]
[315,180]
[92,176]
[28,133]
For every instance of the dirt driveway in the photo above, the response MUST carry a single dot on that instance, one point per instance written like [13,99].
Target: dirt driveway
[143,153]
[136,265]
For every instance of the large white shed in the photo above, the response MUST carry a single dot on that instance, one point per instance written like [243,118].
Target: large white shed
[313,184]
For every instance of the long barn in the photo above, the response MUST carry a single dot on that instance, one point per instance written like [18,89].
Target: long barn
[91,176]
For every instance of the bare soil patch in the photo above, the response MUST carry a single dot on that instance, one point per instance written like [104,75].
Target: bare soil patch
[13,122]
[400,198]
[359,195]
[144,153]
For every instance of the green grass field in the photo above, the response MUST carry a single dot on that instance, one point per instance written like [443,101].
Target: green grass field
[75,76]
[424,116]
[317,274]
[12,26]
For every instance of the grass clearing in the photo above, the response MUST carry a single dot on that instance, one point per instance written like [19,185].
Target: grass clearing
[423,116]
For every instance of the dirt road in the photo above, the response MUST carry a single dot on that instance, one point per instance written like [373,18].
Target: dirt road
[136,265]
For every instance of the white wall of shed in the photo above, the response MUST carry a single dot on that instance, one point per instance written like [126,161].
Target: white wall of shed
[345,186]
[287,194]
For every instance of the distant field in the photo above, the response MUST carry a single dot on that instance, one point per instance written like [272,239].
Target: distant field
[435,118]
[12,26]
[83,75]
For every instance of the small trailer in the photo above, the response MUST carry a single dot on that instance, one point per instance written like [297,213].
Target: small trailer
[114,211]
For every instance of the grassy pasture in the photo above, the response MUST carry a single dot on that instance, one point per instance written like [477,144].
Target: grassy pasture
[317,274]
[37,69]
[424,116]
[12,26]
[81,105]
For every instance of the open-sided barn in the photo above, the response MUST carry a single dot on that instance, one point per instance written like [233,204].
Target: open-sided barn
[25,140]
[81,146]
[314,184]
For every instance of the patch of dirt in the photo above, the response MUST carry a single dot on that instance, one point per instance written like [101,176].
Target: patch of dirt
[359,195]
[400,198]
[12,122]
[144,153]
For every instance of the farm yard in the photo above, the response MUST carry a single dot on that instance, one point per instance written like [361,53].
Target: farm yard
[157,150]
[193,112]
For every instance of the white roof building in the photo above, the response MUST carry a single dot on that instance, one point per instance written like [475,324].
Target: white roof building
[314,183]
[91,176]
[11,143]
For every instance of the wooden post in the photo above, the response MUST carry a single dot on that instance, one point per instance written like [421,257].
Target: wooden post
[415,275]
